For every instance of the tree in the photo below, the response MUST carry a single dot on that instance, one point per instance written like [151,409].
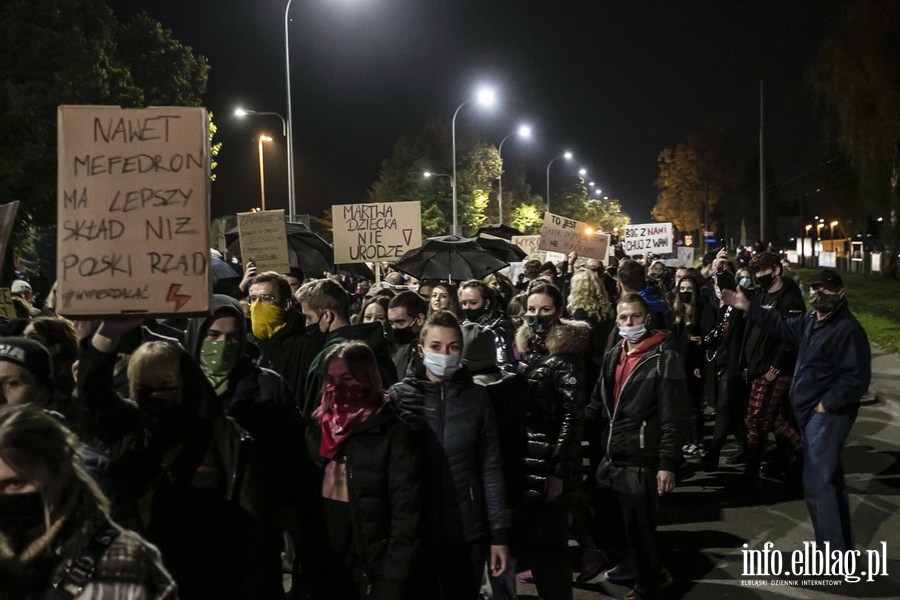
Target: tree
[857,74]
[75,52]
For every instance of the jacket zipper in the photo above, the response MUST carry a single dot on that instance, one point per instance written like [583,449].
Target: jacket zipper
[443,415]
[641,437]
[612,419]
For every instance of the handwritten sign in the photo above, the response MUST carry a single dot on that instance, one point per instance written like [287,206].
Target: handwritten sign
[684,257]
[381,231]
[7,308]
[648,237]
[529,243]
[559,234]
[264,240]
[133,208]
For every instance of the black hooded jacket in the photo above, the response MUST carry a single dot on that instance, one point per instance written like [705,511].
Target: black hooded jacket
[290,353]
[194,495]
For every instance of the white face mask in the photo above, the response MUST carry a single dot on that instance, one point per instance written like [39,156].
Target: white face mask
[442,365]
[633,334]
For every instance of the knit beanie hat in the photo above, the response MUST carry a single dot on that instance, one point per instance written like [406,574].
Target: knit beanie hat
[548,267]
[479,347]
[30,355]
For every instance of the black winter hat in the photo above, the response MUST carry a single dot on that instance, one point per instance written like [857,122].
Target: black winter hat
[828,278]
[479,347]
[30,355]
[548,267]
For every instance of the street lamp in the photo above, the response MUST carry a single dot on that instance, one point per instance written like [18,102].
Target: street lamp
[582,172]
[292,199]
[567,156]
[485,97]
[523,131]
[262,171]
[819,227]
[285,131]
[833,223]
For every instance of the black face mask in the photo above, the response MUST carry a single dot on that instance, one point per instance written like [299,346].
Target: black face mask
[686,297]
[316,334]
[766,281]
[540,324]
[19,515]
[404,336]
[474,314]
[823,303]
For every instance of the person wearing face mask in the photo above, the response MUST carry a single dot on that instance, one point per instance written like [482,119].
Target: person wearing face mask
[831,374]
[552,363]
[768,363]
[744,279]
[372,483]
[478,304]
[407,312]
[279,332]
[259,401]
[326,306]
[642,406]
[181,472]
[471,519]
[52,512]
[688,333]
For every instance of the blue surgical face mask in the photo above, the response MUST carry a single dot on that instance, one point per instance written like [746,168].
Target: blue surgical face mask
[633,334]
[744,282]
[442,365]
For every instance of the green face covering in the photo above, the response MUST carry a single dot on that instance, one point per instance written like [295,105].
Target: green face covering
[217,359]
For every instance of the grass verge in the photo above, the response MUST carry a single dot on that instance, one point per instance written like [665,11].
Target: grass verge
[875,301]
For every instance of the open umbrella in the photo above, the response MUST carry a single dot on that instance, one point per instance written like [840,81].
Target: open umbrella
[306,250]
[501,249]
[498,230]
[448,257]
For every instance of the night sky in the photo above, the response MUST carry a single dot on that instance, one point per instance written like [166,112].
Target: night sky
[615,82]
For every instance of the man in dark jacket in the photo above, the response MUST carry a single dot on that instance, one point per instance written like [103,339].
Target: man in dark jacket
[406,313]
[278,330]
[326,306]
[832,372]
[769,364]
[260,402]
[642,403]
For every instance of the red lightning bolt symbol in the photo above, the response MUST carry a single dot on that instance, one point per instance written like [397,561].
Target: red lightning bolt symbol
[173,296]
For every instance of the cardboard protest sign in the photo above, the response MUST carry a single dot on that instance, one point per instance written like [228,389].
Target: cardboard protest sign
[7,308]
[529,243]
[264,240]
[684,257]
[559,234]
[375,231]
[648,237]
[133,209]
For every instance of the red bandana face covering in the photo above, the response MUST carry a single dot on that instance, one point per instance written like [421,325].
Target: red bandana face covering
[343,408]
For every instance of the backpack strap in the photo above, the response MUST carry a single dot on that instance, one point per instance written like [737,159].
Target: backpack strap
[82,570]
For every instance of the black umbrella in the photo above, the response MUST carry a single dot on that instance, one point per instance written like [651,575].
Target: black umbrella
[498,230]
[306,250]
[501,249]
[449,257]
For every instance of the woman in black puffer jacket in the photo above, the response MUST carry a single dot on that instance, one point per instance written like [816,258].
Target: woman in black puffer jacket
[552,363]
[372,484]
[471,520]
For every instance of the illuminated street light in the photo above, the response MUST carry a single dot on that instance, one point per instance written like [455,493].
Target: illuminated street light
[262,171]
[819,231]
[485,97]
[833,223]
[285,131]
[582,172]
[567,156]
[524,131]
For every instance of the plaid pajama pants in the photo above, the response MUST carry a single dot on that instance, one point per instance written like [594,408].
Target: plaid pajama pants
[767,411]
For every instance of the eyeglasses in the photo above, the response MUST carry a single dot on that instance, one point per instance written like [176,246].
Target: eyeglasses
[264,298]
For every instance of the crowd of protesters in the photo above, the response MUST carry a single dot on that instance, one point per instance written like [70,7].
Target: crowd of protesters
[410,439]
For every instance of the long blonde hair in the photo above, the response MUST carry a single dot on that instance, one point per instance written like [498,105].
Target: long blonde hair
[588,294]
[684,313]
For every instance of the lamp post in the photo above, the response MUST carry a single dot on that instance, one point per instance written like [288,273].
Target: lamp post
[262,171]
[819,231]
[523,131]
[292,199]
[486,97]
[286,132]
[567,156]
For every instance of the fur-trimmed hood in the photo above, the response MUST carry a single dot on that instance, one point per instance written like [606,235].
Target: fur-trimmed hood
[566,337]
